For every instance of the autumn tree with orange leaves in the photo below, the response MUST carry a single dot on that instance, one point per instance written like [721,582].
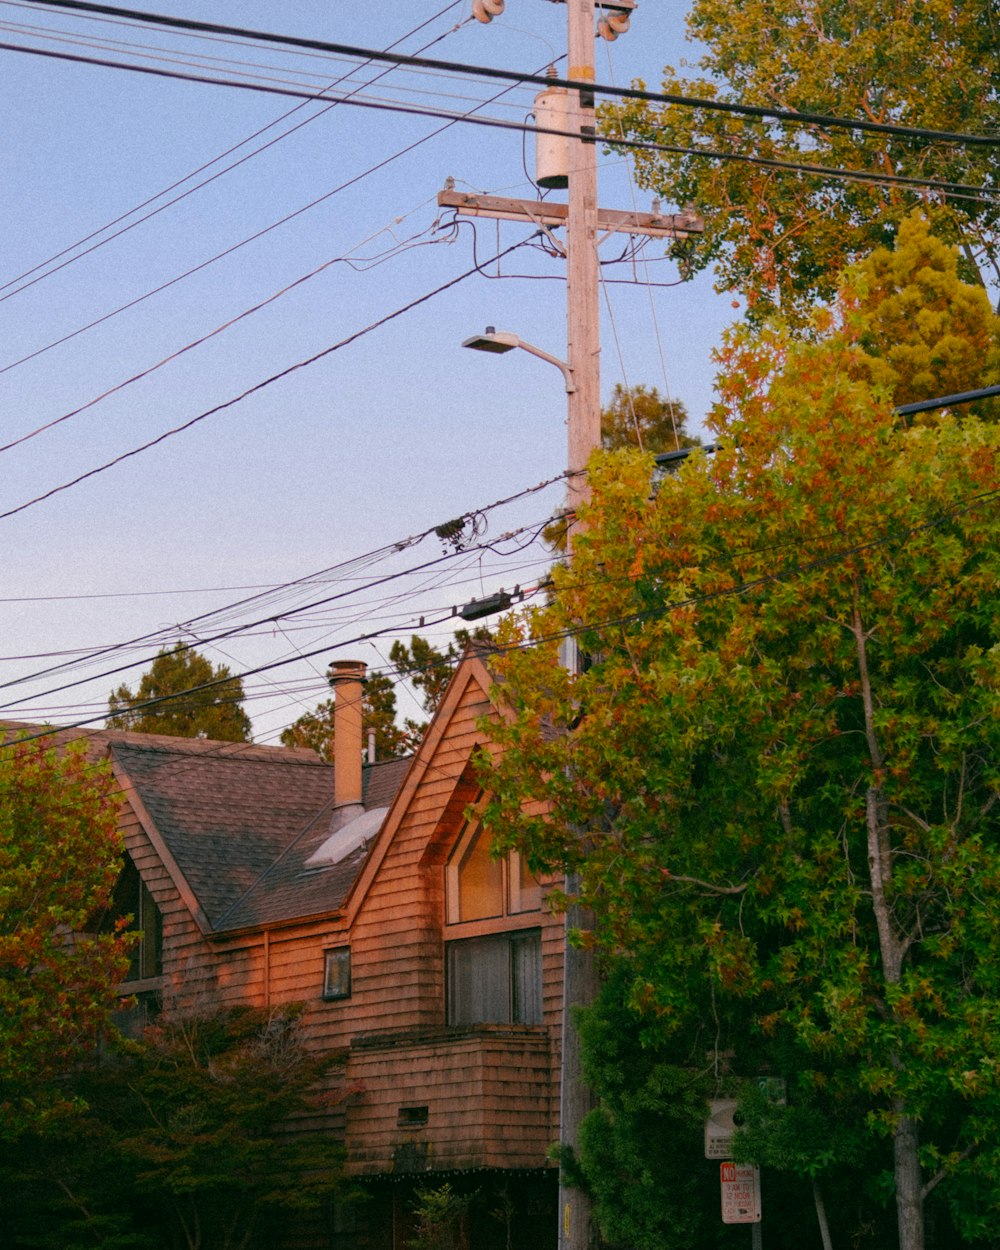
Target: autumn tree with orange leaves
[784,749]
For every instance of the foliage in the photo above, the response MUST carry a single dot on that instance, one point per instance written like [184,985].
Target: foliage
[185,1143]
[780,239]
[635,416]
[426,667]
[641,1147]
[440,1216]
[429,668]
[639,416]
[925,332]
[60,854]
[192,700]
[316,729]
[784,750]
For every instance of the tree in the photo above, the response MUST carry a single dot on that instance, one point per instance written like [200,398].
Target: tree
[60,854]
[638,416]
[429,668]
[635,416]
[316,729]
[926,333]
[189,699]
[426,667]
[779,238]
[785,753]
[641,1146]
[184,1142]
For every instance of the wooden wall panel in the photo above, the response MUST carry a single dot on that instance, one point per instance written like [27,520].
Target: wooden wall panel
[487,1095]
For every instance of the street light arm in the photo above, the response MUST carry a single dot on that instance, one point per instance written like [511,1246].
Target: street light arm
[566,371]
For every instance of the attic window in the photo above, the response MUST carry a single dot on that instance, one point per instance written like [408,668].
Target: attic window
[479,886]
[412,1117]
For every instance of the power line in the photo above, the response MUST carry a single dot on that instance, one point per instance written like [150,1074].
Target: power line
[319,97]
[251,672]
[379,165]
[272,618]
[953,189]
[175,355]
[828,560]
[258,386]
[215,619]
[631,93]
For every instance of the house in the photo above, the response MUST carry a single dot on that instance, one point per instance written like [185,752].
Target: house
[366,891]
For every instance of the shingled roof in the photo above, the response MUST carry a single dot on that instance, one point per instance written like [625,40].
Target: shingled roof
[240,820]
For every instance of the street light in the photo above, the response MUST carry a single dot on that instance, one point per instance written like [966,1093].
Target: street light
[500,341]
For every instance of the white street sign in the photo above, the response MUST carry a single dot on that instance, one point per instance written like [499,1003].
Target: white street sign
[740,1193]
[719,1128]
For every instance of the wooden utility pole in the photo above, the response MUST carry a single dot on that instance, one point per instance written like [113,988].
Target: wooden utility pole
[580,981]
[582,293]
[583,220]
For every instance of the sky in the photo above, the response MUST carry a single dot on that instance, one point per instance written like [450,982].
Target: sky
[279,530]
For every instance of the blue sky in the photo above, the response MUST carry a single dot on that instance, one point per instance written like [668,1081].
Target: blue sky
[375,442]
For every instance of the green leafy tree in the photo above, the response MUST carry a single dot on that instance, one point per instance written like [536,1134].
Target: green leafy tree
[184,1143]
[426,667]
[641,1147]
[440,1217]
[778,238]
[639,416]
[429,668]
[316,729]
[635,416]
[60,854]
[785,752]
[926,333]
[189,699]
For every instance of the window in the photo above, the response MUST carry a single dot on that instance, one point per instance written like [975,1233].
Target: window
[478,886]
[493,959]
[132,898]
[496,979]
[337,973]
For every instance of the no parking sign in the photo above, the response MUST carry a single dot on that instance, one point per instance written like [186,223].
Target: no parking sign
[740,1193]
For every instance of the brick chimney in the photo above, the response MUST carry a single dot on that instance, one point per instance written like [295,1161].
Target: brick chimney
[347,677]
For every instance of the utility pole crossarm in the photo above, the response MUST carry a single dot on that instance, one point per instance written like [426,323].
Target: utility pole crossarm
[552,213]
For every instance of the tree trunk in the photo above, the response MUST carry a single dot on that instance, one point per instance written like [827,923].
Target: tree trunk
[893,947]
[909,1195]
[824,1227]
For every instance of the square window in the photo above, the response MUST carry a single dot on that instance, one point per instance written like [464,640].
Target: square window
[495,979]
[337,973]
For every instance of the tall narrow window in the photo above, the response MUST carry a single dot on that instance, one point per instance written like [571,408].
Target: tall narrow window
[132,898]
[337,973]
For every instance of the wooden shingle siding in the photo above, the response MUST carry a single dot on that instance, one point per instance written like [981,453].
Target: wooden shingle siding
[229,840]
[491,1094]
[487,1096]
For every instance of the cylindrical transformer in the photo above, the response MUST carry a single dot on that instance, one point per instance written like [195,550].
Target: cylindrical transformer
[552,150]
